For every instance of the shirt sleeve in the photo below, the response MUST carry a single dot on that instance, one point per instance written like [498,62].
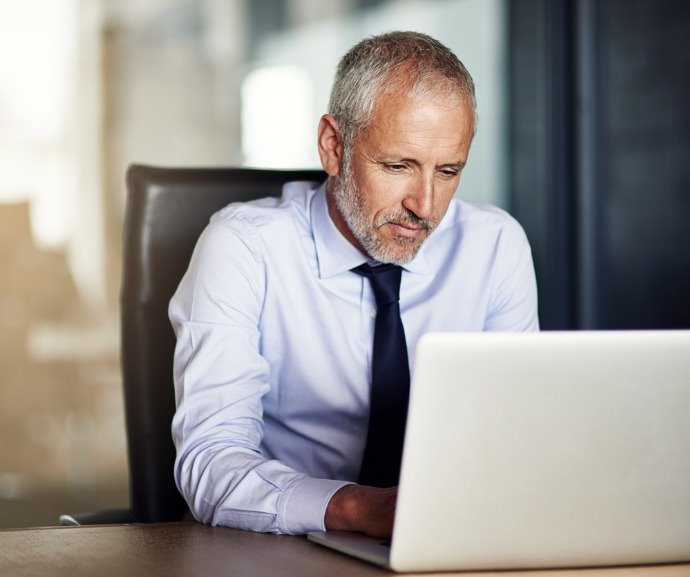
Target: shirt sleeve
[513,304]
[220,380]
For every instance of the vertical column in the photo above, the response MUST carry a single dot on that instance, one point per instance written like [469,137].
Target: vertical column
[589,191]
[541,126]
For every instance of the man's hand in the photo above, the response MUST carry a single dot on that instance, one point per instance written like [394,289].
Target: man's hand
[360,508]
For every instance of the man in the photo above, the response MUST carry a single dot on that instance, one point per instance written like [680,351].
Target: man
[276,316]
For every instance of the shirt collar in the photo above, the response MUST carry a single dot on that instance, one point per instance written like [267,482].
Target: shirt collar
[335,254]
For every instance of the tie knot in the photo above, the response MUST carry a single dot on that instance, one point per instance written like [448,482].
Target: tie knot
[385,282]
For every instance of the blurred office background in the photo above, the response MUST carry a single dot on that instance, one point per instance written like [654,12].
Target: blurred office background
[584,135]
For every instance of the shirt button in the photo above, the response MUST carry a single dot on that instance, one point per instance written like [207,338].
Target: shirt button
[372,314]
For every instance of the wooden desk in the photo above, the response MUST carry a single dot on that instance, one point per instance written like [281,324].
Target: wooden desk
[191,549]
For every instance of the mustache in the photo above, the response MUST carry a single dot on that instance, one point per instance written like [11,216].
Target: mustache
[408,217]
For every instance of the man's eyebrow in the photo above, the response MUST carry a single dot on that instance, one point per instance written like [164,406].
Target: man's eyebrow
[396,159]
[393,158]
[459,165]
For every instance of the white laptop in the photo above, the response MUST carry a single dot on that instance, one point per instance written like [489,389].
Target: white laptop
[542,450]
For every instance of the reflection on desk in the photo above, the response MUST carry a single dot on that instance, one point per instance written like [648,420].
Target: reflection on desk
[191,549]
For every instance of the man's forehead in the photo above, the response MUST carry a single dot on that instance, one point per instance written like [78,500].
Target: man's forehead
[398,126]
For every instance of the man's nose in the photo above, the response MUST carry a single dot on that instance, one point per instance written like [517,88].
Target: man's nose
[420,200]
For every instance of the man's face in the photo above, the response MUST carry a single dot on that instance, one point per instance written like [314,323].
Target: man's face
[398,180]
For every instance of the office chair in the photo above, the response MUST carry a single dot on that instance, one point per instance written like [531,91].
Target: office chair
[167,208]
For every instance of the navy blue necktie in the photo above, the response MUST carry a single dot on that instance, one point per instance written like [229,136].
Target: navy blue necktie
[390,388]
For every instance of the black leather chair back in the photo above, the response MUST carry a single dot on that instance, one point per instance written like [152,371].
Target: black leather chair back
[167,208]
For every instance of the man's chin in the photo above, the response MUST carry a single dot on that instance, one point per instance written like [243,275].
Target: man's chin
[399,250]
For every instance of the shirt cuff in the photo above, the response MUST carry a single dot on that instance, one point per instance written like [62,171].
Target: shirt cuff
[302,507]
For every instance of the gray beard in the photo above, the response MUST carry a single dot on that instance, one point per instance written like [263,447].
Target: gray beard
[348,199]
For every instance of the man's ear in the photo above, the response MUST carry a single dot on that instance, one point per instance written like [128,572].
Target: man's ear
[330,144]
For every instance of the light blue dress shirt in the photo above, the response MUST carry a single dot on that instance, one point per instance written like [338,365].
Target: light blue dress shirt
[274,341]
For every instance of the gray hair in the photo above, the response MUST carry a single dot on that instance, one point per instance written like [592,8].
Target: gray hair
[415,64]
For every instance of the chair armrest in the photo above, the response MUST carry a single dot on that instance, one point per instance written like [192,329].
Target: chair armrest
[101,517]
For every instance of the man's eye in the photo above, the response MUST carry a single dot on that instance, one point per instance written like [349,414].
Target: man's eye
[395,167]
[449,173]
